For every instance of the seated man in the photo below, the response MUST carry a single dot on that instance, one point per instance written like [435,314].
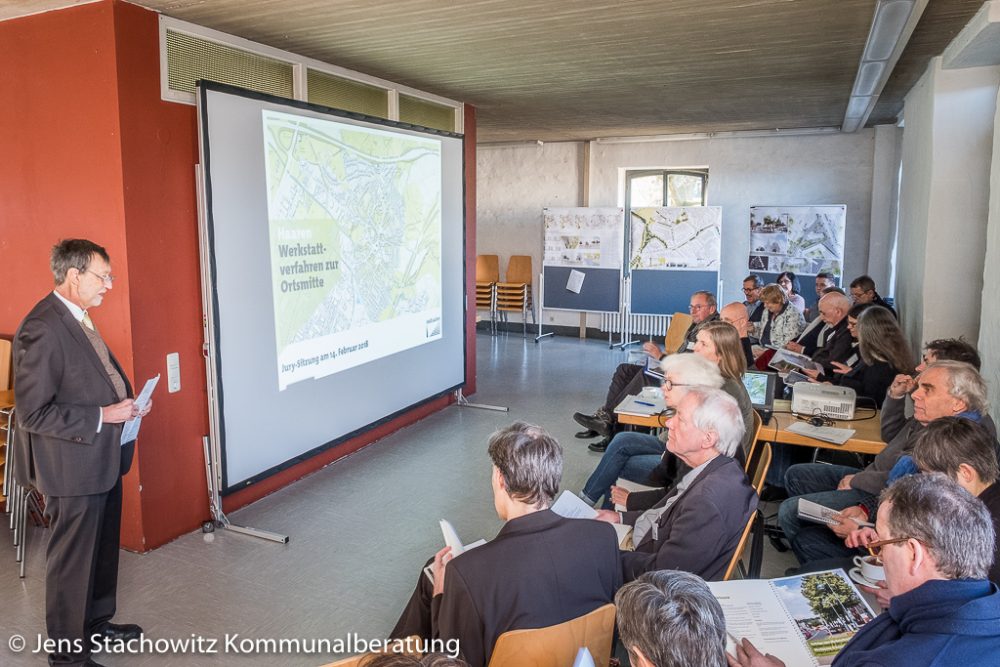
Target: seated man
[824,280]
[837,341]
[541,569]
[697,526]
[965,452]
[936,548]
[734,313]
[671,619]
[629,379]
[944,389]
[814,335]
[752,304]
[863,291]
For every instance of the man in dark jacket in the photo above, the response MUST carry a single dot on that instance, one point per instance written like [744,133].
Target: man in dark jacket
[936,548]
[697,526]
[540,570]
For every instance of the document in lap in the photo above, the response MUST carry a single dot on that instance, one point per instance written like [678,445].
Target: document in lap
[452,540]
[571,506]
[802,620]
[817,513]
[784,361]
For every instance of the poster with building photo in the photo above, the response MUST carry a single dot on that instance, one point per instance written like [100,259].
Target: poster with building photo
[803,239]
[583,237]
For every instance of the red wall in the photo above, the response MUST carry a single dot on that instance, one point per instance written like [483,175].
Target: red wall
[90,150]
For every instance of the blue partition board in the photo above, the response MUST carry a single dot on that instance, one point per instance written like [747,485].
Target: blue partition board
[601,291]
[656,292]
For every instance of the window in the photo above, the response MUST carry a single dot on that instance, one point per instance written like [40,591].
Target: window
[664,187]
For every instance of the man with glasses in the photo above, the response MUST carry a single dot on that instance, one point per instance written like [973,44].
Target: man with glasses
[629,379]
[936,548]
[72,398]
[863,291]
[751,297]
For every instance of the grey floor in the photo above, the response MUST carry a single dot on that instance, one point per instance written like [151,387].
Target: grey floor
[360,529]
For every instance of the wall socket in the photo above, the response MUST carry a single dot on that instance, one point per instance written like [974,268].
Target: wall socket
[173,372]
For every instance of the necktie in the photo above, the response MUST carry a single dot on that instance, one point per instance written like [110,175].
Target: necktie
[87,322]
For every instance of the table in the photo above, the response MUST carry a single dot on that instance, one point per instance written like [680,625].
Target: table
[866,440]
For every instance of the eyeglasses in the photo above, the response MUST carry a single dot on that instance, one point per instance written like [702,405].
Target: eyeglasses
[875,548]
[697,306]
[747,290]
[109,279]
[668,384]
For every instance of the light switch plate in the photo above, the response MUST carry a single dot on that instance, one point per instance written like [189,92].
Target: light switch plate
[173,372]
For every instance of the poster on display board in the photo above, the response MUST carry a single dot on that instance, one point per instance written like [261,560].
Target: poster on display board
[803,239]
[583,237]
[684,238]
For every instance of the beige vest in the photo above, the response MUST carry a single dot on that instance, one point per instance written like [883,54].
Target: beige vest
[105,356]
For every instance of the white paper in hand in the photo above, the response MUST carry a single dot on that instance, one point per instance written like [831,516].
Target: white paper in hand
[131,430]
[451,538]
[583,658]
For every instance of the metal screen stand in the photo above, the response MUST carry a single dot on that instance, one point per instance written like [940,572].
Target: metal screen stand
[462,402]
[219,518]
[541,308]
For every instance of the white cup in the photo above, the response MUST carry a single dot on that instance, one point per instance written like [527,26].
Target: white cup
[869,569]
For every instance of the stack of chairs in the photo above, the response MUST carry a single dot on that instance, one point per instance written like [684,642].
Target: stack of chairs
[514,295]
[487,276]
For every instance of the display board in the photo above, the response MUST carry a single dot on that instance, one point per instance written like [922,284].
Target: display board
[673,251]
[803,239]
[582,262]
[334,255]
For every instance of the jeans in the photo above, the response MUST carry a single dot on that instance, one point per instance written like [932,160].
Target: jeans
[629,455]
[816,482]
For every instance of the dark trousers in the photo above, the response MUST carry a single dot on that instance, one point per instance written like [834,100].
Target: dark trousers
[416,616]
[81,570]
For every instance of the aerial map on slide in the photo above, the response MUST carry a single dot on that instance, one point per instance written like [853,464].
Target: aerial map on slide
[355,230]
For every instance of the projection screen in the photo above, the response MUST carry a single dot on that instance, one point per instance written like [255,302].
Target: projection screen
[334,251]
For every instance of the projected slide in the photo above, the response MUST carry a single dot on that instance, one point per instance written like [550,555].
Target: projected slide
[354,215]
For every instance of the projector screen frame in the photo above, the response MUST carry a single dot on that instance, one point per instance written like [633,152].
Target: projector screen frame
[212,339]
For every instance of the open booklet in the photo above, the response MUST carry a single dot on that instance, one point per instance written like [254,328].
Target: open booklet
[784,361]
[452,540]
[817,513]
[641,406]
[803,620]
[572,506]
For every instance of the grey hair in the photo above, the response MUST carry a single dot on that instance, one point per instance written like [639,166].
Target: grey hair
[693,369]
[965,383]
[718,413]
[673,618]
[837,300]
[946,443]
[73,254]
[530,460]
[954,526]
[709,297]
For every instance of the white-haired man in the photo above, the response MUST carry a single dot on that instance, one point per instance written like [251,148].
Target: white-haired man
[697,526]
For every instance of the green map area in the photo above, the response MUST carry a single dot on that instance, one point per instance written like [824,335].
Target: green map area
[355,225]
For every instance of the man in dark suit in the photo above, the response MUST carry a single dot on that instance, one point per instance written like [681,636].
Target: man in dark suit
[540,570]
[837,343]
[697,526]
[71,398]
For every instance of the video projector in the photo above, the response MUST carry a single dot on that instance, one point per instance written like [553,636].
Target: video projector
[823,399]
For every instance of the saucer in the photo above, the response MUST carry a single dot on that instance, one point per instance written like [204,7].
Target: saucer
[858,578]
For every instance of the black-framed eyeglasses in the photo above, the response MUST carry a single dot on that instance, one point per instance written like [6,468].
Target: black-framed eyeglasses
[697,306]
[875,548]
[109,279]
[669,384]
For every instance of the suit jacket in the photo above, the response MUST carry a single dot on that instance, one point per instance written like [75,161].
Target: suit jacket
[60,385]
[541,569]
[836,347]
[701,530]
[809,338]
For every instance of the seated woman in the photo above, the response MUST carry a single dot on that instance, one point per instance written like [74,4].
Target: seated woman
[782,322]
[883,353]
[789,282]
[634,455]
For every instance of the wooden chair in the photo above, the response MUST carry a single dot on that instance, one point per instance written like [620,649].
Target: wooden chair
[514,294]
[557,645]
[6,371]
[755,526]
[758,424]
[679,324]
[487,277]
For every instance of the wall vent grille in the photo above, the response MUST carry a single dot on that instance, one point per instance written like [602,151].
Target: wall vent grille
[190,58]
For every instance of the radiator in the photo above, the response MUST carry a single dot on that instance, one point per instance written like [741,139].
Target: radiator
[639,325]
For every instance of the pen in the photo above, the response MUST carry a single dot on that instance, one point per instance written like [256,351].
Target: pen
[651,405]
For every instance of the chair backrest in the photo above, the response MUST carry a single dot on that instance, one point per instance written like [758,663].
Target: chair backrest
[6,374]
[557,645]
[487,268]
[519,269]
[758,424]
[760,472]
[679,324]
